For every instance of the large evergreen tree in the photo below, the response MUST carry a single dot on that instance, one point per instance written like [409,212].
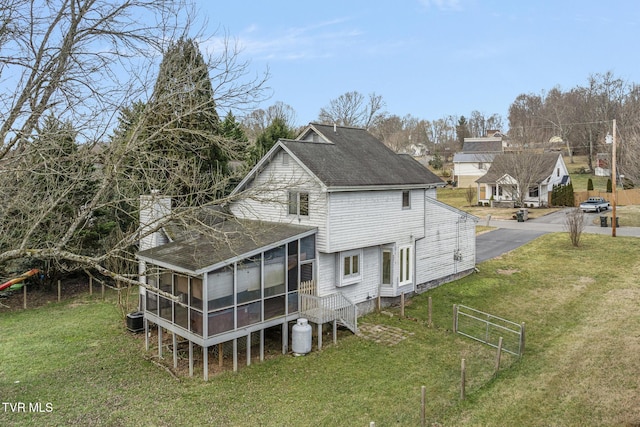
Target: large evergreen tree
[267,139]
[231,130]
[462,130]
[181,126]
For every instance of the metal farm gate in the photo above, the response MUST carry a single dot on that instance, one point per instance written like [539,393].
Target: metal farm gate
[488,329]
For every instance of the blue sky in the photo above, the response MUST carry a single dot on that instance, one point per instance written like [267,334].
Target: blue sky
[429,58]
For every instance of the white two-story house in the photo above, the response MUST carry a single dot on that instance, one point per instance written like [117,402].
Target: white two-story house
[475,158]
[323,227]
[381,231]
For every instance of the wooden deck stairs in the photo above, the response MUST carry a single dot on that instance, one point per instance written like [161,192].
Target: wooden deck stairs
[328,308]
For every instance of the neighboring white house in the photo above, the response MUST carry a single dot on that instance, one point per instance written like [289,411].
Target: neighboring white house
[499,184]
[475,158]
[325,223]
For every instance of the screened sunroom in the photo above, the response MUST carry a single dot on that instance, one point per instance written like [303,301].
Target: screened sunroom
[216,288]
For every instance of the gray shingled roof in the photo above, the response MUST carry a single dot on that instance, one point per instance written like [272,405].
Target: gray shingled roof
[482,146]
[497,169]
[227,240]
[473,157]
[355,158]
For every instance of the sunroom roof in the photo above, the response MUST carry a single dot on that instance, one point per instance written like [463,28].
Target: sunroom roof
[228,241]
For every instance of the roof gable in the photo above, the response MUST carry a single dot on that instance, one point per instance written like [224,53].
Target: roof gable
[352,157]
[342,158]
[547,163]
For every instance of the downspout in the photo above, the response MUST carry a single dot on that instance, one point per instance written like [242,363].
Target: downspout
[413,262]
[327,223]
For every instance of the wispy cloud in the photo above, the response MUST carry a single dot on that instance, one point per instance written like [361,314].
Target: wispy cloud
[454,5]
[319,40]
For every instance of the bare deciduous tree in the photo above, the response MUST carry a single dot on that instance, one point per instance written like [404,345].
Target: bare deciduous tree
[526,167]
[470,195]
[353,109]
[259,120]
[401,134]
[574,223]
[62,181]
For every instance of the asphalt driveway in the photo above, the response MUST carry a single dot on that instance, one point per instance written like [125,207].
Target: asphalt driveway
[510,234]
[502,240]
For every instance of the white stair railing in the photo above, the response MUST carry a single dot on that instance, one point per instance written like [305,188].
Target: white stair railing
[328,308]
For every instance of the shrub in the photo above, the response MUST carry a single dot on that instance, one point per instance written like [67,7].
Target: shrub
[590,185]
[436,162]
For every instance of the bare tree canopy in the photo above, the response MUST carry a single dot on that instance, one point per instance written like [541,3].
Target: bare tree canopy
[353,109]
[402,134]
[526,168]
[69,181]
[581,118]
[259,120]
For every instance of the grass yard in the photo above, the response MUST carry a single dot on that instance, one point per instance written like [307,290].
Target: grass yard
[580,366]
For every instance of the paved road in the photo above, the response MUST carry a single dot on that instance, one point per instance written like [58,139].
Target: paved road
[510,235]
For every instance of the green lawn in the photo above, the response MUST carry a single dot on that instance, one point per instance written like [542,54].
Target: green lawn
[580,365]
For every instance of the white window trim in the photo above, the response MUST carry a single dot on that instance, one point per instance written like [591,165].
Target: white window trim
[391,269]
[353,277]
[404,266]
[296,194]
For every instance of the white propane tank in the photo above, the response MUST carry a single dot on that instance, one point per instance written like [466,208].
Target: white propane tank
[301,337]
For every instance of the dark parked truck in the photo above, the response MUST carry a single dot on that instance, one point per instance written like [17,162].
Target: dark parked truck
[594,204]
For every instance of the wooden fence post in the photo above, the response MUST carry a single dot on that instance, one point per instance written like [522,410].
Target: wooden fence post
[498,356]
[24,296]
[522,340]
[430,313]
[379,304]
[103,291]
[402,304]
[59,290]
[463,374]
[423,419]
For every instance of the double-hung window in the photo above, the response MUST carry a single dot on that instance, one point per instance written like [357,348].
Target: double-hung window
[350,267]
[298,203]
[406,266]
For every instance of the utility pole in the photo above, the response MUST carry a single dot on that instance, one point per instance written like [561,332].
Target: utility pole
[614,178]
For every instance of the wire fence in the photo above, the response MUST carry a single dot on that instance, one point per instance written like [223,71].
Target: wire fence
[488,329]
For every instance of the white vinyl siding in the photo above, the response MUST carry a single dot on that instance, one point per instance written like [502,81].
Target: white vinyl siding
[330,270]
[449,245]
[368,218]
[267,197]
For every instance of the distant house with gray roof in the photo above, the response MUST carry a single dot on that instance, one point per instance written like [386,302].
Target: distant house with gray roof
[323,227]
[500,184]
[475,158]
